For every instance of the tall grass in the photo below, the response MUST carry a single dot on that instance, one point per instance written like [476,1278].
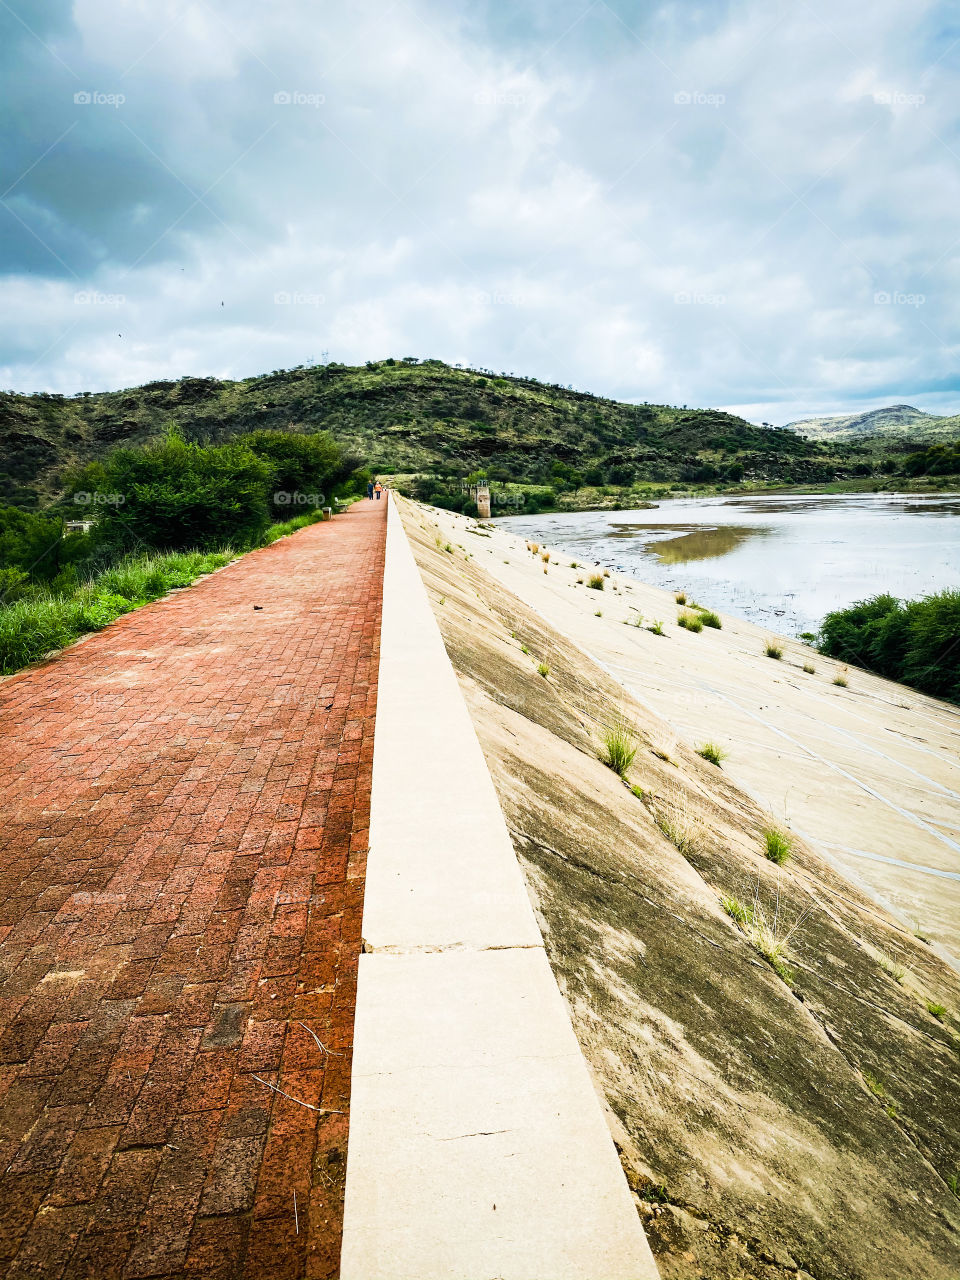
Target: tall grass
[712,752]
[619,747]
[47,621]
[768,934]
[779,845]
[689,621]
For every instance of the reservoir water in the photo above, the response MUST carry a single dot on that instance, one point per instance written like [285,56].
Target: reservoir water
[782,560]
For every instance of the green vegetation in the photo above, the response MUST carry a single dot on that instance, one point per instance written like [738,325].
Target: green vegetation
[679,822]
[543,669]
[619,747]
[769,936]
[689,621]
[773,650]
[715,754]
[896,971]
[915,642]
[840,680]
[809,668]
[936,1010]
[680,597]
[156,518]
[30,628]
[656,627]
[779,845]
[595,581]
[541,446]
[638,792]
[710,619]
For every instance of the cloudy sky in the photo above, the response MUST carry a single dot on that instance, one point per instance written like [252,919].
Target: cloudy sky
[751,204]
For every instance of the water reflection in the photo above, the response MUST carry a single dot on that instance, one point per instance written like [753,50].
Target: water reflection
[702,543]
[782,561]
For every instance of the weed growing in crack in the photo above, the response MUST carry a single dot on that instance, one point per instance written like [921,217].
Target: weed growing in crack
[619,747]
[779,845]
[769,935]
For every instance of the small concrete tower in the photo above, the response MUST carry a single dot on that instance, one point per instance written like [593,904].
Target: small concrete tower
[483,501]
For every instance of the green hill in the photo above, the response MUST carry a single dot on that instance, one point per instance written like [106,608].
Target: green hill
[409,416]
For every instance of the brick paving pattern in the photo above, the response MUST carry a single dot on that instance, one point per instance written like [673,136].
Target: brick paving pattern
[184,804]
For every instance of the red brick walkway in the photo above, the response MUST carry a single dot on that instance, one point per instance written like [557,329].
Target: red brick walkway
[184,801]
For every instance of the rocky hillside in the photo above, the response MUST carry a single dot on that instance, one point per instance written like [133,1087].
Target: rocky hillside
[897,420]
[407,416]
[791,1116]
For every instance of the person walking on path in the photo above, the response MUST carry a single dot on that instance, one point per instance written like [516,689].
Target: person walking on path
[370,489]
[379,489]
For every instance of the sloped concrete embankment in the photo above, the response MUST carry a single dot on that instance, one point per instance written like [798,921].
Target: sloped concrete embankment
[477,1143]
[771,1124]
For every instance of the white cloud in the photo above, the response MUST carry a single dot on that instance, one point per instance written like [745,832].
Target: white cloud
[537,202]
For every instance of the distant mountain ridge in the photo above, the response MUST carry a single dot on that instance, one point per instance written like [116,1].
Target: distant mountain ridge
[895,420]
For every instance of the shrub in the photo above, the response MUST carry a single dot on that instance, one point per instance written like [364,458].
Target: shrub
[710,751]
[543,669]
[177,495]
[773,650]
[619,747]
[595,582]
[779,845]
[656,627]
[937,1011]
[710,619]
[915,642]
[841,678]
[689,621]
[809,668]
[680,597]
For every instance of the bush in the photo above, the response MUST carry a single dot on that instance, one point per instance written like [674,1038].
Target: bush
[916,642]
[715,754]
[773,650]
[595,581]
[172,495]
[301,464]
[710,619]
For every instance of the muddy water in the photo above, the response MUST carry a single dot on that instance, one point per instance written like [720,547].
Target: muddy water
[781,561]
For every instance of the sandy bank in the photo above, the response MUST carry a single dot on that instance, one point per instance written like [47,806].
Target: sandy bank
[870,773]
